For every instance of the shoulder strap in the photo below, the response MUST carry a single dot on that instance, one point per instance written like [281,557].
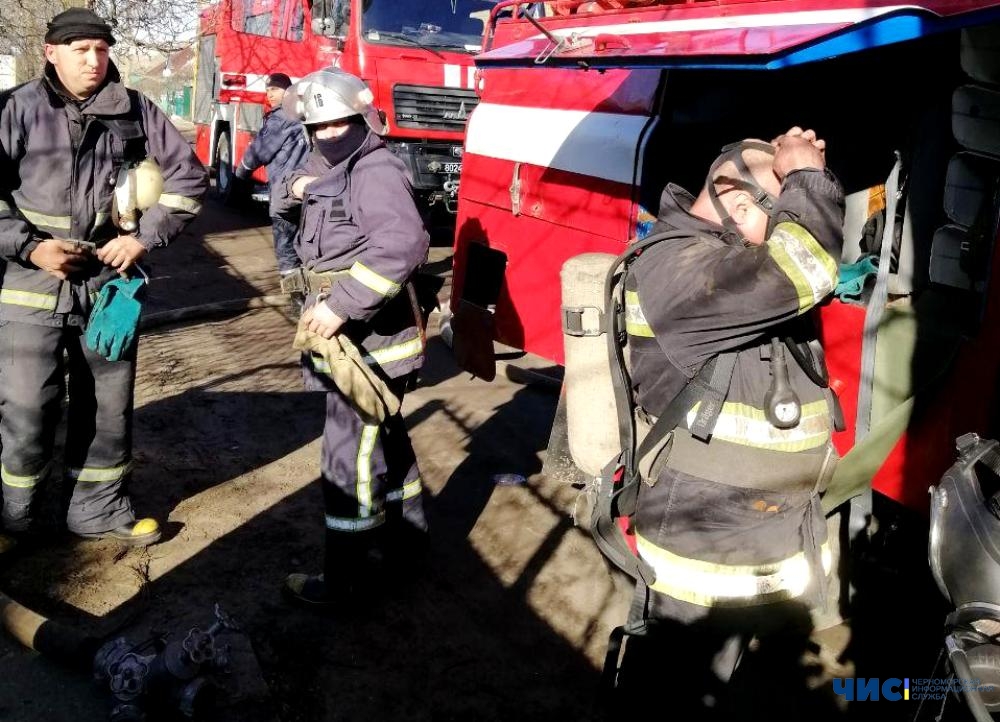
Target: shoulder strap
[710,385]
[614,303]
[618,483]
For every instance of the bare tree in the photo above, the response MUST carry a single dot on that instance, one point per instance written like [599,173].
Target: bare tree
[161,25]
[164,25]
[23,31]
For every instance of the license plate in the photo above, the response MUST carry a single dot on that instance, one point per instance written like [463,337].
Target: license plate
[451,167]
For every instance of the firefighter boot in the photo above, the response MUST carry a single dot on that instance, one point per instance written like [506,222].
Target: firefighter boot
[16,517]
[17,512]
[17,522]
[138,533]
[7,544]
[351,568]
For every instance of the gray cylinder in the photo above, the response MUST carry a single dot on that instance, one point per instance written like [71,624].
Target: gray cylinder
[591,416]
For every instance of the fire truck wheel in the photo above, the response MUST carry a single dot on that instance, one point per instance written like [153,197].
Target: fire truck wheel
[223,167]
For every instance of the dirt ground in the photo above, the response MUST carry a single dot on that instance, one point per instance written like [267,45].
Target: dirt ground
[506,619]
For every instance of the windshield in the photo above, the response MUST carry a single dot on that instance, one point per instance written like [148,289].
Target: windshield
[434,23]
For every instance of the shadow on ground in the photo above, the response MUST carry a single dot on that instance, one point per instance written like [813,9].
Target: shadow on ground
[499,622]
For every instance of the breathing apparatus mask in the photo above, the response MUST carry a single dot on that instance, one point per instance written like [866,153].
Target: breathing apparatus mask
[964,556]
[733,153]
[137,189]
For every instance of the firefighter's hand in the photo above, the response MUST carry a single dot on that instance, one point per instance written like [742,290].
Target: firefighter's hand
[299,186]
[121,253]
[58,257]
[798,149]
[320,319]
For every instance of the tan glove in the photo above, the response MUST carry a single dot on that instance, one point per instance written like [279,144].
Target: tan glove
[341,360]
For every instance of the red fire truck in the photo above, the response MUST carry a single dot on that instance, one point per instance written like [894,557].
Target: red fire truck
[587,109]
[416,56]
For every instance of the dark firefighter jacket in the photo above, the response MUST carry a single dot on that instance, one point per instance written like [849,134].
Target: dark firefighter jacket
[59,162]
[280,145]
[735,520]
[359,217]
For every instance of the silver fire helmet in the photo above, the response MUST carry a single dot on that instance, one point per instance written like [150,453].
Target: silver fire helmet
[332,94]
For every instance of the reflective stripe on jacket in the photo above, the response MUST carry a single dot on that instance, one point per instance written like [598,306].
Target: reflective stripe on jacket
[359,216]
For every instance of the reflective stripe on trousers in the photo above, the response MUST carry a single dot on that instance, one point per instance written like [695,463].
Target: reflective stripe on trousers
[364,466]
[99,421]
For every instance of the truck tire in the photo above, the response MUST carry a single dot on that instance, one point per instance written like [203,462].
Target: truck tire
[223,165]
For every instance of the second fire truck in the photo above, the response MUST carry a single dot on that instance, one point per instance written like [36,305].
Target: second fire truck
[416,56]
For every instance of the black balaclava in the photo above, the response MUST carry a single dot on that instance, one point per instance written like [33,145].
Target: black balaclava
[337,150]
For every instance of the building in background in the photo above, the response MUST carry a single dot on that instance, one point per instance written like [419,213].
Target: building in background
[165,78]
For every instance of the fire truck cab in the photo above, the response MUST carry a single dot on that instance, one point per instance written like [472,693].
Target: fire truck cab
[587,109]
[416,57]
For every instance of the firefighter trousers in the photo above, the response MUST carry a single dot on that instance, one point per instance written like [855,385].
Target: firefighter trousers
[738,664]
[35,362]
[284,244]
[371,489]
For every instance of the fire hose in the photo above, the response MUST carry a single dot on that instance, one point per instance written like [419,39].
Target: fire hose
[59,642]
[179,672]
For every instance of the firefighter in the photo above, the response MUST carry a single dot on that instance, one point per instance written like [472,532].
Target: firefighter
[66,139]
[361,239]
[730,522]
[280,145]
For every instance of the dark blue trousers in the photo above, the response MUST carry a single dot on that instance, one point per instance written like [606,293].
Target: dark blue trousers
[34,364]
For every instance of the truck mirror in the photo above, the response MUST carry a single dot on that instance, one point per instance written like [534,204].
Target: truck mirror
[340,18]
[330,18]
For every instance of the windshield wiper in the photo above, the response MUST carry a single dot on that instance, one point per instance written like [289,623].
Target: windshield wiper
[408,39]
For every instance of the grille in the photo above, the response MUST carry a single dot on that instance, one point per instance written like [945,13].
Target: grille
[421,106]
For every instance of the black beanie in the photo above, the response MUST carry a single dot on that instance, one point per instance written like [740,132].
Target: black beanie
[77,24]
[278,80]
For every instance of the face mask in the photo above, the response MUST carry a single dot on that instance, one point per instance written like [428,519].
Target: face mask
[746,182]
[337,150]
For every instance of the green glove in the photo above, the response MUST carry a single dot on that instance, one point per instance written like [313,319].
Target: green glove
[114,319]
